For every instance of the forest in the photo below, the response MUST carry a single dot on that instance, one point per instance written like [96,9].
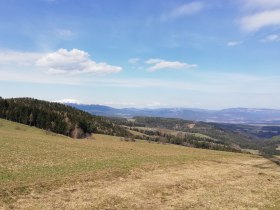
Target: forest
[57,118]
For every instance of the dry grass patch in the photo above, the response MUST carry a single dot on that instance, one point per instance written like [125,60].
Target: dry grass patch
[205,185]
[42,171]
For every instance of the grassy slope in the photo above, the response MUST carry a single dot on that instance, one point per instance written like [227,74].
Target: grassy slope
[35,163]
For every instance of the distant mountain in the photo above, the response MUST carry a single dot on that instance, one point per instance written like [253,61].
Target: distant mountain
[233,115]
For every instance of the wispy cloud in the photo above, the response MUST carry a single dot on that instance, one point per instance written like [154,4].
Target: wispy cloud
[65,33]
[234,43]
[257,21]
[133,60]
[184,10]
[271,38]
[158,64]
[19,58]
[261,4]
[259,14]
[206,84]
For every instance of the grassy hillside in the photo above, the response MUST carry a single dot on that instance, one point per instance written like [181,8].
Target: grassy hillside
[75,123]
[43,170]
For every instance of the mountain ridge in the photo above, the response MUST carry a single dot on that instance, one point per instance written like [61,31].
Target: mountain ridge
[230,115]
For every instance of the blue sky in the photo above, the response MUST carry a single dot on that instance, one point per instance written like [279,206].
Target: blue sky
[149,53]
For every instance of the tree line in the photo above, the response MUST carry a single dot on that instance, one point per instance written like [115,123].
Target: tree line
[184,139]
[57,118]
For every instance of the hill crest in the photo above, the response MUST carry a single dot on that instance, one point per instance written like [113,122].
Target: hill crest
[56,117]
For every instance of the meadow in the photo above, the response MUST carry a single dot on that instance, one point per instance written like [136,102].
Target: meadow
[43,170]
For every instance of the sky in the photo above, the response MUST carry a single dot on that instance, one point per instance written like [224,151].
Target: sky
[150,53]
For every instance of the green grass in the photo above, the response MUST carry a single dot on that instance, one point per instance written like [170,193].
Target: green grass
[33,159]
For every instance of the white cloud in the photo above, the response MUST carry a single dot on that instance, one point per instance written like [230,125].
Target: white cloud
[207,88]
[60,62]
[153,61]
[158,64]
[257,21]
[233,43]
[184,10]
[60,67]
[231,86]
[74,62]
[260,14]
[187,9]
[271,38]
[261,4]
[133,60]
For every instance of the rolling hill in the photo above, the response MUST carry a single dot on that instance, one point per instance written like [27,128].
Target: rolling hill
[69,121]
[44,170]
[56,117]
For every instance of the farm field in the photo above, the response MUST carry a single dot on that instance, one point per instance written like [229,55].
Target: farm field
[42,170]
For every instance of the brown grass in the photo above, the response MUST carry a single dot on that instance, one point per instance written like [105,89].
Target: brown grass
[40,171]
[239,184]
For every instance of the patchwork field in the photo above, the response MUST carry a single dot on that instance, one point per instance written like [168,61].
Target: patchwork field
[42,170]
